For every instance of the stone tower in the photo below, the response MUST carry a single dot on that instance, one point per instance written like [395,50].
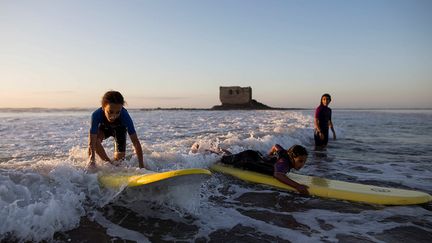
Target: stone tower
[235,95]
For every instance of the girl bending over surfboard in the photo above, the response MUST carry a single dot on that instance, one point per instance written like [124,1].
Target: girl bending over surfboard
[277,163]
[112,119]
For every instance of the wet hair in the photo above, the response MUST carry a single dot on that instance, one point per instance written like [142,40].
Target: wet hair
[297,150]
[112,97]
[325,95]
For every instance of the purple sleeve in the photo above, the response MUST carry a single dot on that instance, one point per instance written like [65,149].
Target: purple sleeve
[318,112]
[281,167]
[127,121]
[96,119]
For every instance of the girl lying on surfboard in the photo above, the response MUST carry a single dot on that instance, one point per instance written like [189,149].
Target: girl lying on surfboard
[112,119]
[277,163]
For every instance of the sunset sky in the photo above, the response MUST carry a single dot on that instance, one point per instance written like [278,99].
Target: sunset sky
[367,54]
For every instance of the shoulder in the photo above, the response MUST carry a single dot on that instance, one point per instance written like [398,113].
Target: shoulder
[125,117]
[97,113]
[318,110]
[98,110]
[126,120]
[124,113]
[96,119]
[282,165]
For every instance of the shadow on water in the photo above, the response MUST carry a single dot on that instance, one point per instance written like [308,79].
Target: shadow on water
[154,227]
[240,233]
[88,231]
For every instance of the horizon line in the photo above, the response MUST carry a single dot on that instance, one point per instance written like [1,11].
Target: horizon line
[191,108]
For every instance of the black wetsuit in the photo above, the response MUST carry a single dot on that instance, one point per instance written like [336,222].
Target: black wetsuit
[255,161]
[323,114]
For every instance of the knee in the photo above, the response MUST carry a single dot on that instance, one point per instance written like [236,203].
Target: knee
[99,141]
[119,155]
[100,138]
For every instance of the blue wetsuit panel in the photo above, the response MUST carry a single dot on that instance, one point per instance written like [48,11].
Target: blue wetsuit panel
[98,118]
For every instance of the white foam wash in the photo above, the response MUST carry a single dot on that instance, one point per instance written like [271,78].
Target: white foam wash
[45,191]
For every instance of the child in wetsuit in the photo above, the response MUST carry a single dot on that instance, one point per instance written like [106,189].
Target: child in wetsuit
[112,119]
[323,122]
[278,163]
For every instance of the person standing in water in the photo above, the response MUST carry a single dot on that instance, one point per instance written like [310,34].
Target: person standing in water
[323,121]
[112,119]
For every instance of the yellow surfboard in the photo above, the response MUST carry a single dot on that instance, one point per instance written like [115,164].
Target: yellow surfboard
[132,179]
[333,189]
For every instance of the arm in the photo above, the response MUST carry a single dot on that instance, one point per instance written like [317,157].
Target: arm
[127,120]
[302,189]
[317,123]
[92,148]
[317,128]
[332,129]
[138,150]
[95,120]
[275,148]
[95,147]
[331,125]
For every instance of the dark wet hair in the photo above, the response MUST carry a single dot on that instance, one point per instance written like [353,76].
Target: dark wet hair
[325,95]
[112,97]
[297,150]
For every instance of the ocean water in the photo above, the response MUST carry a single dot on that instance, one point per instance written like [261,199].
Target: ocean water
[46,195]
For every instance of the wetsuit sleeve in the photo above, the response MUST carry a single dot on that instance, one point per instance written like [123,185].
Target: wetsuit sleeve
[127,121]
[318,112]
[281,167]
[96,119]
[280,152]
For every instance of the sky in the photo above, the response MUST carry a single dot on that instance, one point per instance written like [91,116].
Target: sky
[168,53]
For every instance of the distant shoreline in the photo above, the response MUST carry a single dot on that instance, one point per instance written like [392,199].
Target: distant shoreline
[40,109]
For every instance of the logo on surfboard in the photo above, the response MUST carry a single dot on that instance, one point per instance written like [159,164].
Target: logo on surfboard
[380,190]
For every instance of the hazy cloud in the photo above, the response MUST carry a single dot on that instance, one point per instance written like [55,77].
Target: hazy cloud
[54,92]
[160,97]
